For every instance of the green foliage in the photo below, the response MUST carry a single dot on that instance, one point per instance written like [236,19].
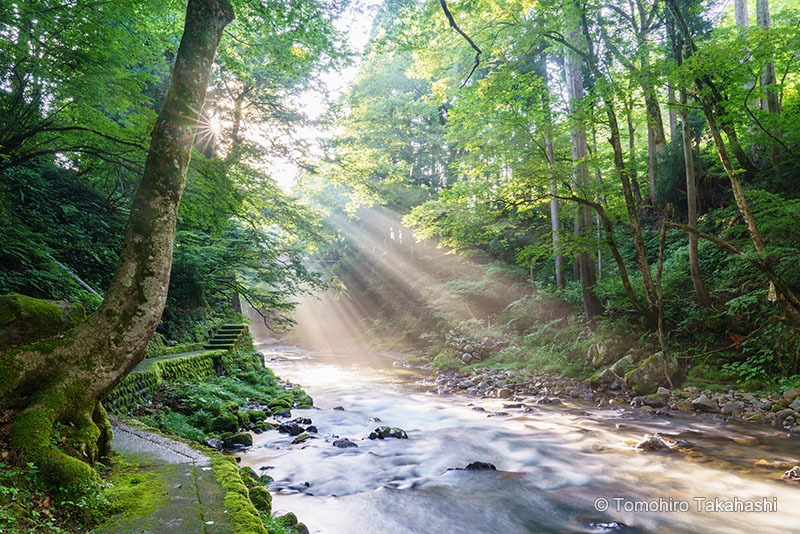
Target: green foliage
[27,504]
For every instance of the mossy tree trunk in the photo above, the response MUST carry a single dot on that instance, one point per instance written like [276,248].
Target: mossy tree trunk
[63,380]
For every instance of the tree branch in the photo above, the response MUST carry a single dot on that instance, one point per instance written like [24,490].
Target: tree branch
[453,25]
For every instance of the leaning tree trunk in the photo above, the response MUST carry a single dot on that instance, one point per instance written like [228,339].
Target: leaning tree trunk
[63,380]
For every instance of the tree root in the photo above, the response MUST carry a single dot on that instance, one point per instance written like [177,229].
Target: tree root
[32,437]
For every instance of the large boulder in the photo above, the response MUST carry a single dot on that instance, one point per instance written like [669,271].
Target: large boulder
[615,372]
[648,376]
[598,355]
[25,320]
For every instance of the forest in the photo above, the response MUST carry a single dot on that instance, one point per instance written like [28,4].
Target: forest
[576,200]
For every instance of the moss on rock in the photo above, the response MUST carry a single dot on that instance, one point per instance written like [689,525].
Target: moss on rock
[240,509]
[25,320]
[261,499]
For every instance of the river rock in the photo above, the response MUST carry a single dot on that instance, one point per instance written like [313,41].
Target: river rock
[617,371]
[215,443]
[653,442]
[383,432]
[791,394]
[650,374]
[505,393]
[656,400]
[293,429]
[792,474]
[244,439]
[305,436]
[338,408]
[782,417]
[480,466]
[344,443]
[704,404]
[732,408]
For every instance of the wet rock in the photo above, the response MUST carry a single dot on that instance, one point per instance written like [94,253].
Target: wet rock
[505,393]
[383,432]
[283,413]
[339,408]
[548,400]
[312,428]
[293,429]
[782,417]
[515,405]
[792,474]
[344,443]
[653,442]
[607,527]
[215,443]
[305,436]
[732,408]
[480,466]
[704,404]
[244,439]
[656,400]
[302,421]
[478,409]
[497,414]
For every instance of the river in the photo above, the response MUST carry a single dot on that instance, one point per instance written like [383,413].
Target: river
[556,465]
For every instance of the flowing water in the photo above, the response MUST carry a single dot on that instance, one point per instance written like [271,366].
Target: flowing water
[555,464]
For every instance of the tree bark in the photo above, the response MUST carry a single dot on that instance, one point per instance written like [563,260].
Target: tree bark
[673,116]
[583,217]
[555,208]
[691,197]
[63,380]
[770,101]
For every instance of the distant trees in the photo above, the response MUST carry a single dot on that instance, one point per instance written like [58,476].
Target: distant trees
[516,137]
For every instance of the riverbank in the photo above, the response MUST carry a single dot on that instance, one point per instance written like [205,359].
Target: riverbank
[781,410]
[176,419]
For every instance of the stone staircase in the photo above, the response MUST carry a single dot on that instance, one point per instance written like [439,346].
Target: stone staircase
[226,337]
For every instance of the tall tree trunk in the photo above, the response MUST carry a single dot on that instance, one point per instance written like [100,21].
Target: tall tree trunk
[583,217]
[637,192]
[63,380]
[673,115]
[691,196]
[598,180]
[770,101]
[656,140]
[555,208]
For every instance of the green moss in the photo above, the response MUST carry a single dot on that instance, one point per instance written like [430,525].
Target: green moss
[137,489]
[24,320]
[261,499]
[31,435]
[255,416]
[243,514]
